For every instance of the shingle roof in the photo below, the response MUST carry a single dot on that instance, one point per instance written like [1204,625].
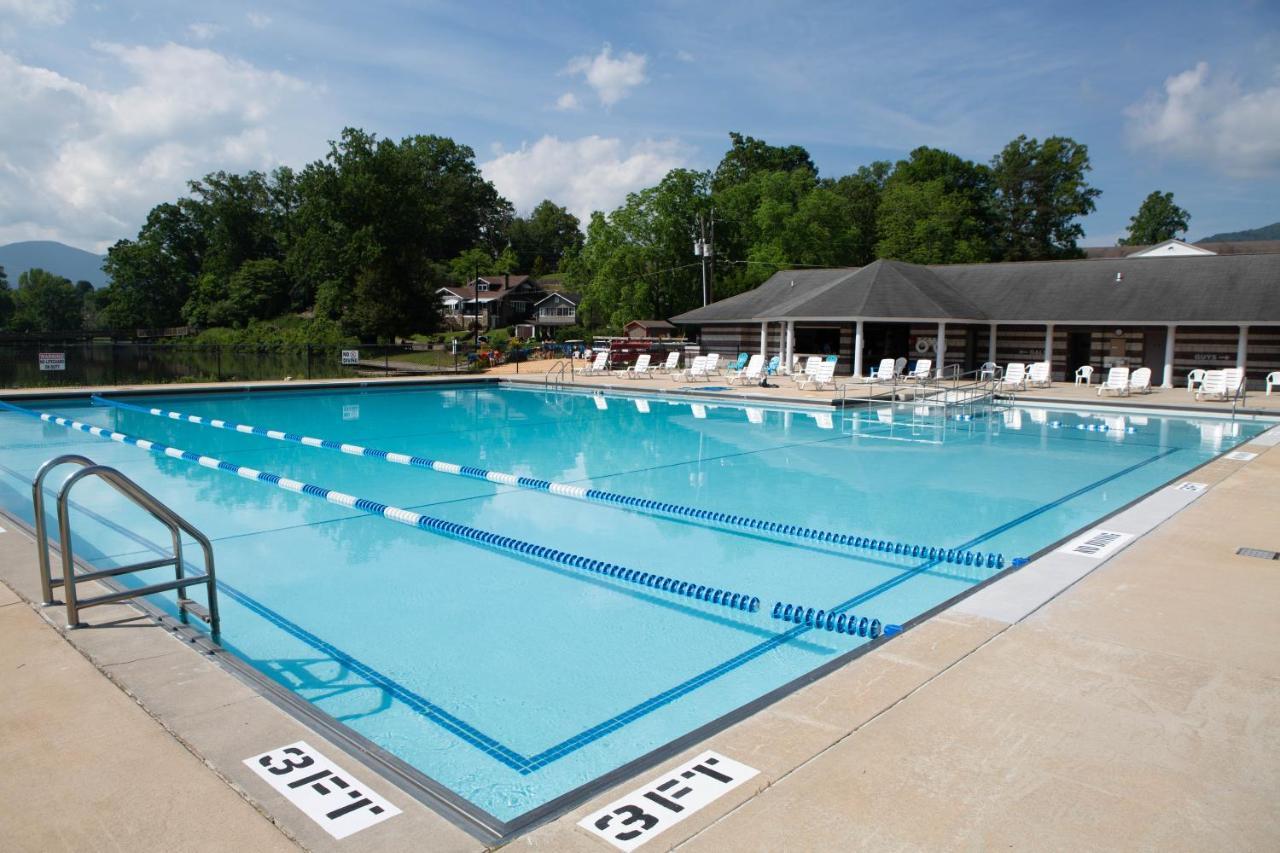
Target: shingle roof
[1213,288]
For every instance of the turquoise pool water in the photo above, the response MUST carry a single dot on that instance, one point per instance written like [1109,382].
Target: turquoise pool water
[513,679]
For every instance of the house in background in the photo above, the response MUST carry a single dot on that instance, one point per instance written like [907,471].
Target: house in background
[490,301]
[554,311]
[649,329]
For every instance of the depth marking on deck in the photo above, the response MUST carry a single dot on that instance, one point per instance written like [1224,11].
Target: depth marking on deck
[630,821]
[1241,456]
[1193,488]
[322,790]
[1097,544]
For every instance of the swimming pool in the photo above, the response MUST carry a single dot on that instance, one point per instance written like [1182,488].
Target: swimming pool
[530,639]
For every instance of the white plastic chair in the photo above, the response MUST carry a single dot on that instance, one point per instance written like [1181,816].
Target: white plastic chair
[899,365]
[1038,375]
[1273,378]
[1140,380]
[824,375]
[601,363]
[672,362]
[697,370]
[921,371]
[988,370]
[884,370]
[1117,382]
[750,373]
[712,363]
[1195,378]
[638,370]
[810,368]
[1015,376]
[1085,375]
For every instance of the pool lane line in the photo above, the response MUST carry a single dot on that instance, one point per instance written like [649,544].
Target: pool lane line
[670,695]
[964,557]
[711,595]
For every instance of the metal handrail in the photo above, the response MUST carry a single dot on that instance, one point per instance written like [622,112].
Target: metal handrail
[175,523]
[558,370]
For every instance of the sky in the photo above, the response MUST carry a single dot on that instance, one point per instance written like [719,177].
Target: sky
[108,108]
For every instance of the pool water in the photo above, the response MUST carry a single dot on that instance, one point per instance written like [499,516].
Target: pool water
[512,679]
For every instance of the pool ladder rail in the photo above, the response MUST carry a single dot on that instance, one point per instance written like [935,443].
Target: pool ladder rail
[158,510]
[556,374]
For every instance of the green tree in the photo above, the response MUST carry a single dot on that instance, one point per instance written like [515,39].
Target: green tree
[748,156]
[548,232]
[1040,192]
[6,300]
[935,208]
[1158,219]
[152,276]
[45,302]
[863,191]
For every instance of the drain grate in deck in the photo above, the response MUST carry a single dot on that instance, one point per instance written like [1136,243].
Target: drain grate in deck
[1260,553]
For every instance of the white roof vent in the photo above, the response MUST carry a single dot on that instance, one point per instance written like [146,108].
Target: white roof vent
[1119,277]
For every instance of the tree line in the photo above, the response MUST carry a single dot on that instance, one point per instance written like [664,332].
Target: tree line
[359,241]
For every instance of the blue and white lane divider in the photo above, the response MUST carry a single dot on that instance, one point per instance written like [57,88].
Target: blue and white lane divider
[840,623]
[711,595]
[990,560]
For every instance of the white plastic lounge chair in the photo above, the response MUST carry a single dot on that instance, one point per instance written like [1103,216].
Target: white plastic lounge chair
[1140,380]
[1222,384]
[1085,375]
[1273,379]
[810,367]
[600,365]
[824,375]
[750,373]
[884,370]
[672,362]
[694,372]
[924,367]
[1195,378]
[1015,376]
[1117,382]
[1038,375]
[639,370]
[712,364]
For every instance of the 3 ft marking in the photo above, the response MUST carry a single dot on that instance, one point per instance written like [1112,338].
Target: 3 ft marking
[1194,488]
[628,822]
[1097,544]
[323,791]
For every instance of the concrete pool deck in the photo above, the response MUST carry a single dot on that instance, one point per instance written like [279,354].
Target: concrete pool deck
[1139,707]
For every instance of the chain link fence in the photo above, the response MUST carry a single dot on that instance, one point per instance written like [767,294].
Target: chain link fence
[53,363]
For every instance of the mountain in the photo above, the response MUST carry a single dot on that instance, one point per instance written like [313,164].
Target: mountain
[58,258]
[1266,232]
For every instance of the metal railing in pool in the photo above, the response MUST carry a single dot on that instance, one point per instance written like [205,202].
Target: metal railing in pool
[888,547]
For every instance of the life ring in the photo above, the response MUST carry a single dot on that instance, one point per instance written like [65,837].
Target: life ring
[923,345]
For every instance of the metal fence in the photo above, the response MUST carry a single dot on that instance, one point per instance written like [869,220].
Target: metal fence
[52,363]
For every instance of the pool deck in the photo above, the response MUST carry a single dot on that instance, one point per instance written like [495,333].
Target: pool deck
[1132,703]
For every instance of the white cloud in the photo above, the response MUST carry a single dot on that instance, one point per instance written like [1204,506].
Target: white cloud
[258,20]
[591,173]
[92,161]
[568,101]
[1208,117]
[613,79]
[46,13]
[203,31]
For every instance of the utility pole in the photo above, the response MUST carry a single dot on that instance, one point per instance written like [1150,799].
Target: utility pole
[705,250]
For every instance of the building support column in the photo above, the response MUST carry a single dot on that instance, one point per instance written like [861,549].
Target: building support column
[940,349]
[857,348]
[764,340]
[1168,356]
[789,349]
[1242,348]
[1048,347]
[991,344]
